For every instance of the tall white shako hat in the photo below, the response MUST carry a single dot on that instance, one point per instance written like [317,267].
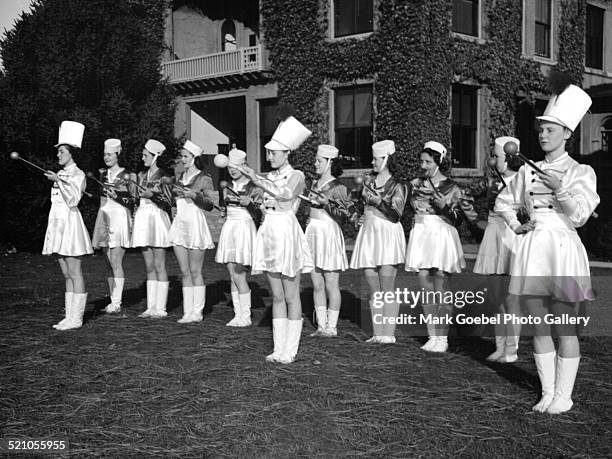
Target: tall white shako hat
[192,148]
[112,146]
[327,151]
[70,133]
[501,141]
[289,135]
[436,146]
[569,103]
[155,147]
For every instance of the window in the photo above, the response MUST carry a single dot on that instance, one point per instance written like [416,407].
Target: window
[464,125]
[353,17]
[543,20]
[353,125]
[268,122]
[465,17]
[527,126]
[594,37]
[228,35]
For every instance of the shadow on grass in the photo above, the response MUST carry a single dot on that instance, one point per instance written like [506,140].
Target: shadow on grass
[350,306]
[478,349]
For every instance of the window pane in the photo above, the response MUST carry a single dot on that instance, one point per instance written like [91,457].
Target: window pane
[353,16]
[594,37]
[363,16]
[268,121]
[542,40]
[542,27]
[363,146]
[353,125]
[343,108]
[465,17]
[344,10]
[464,125]
[543,11]
[363,106]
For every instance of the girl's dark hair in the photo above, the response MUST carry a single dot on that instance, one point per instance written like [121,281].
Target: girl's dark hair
[514,162]
[336,168]
[121,159]
[443,164]
[75,152]
[200,162]
[165,161]
[393,164]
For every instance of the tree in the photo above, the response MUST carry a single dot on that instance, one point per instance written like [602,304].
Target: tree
[92,61]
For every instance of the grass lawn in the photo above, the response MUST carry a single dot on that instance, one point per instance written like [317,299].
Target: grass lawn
[125,386]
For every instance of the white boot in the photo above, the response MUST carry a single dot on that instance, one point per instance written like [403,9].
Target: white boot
[500,346]
[67,310]
[151,298]
[332,322]
[429,344]
[440,345]
[545,363]
[79,301]
[199,301]
[245,309]
[116,292]
[161,298]
[187,305]
[386,339]
[567,369]
[391,310]
[279,334]
[236,303]
[292,341]
[321,318]
[511,350]
[376,335]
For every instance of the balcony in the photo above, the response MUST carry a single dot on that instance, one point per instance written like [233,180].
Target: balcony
[241,67]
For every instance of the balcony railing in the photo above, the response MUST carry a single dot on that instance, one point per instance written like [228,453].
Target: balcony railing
[242,60]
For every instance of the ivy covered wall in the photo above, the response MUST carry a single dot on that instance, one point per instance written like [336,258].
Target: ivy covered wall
[413,58]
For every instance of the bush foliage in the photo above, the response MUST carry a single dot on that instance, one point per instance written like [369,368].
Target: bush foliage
[94,61]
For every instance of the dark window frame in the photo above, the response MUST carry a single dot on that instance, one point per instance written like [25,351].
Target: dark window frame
[272,104]
[474,19]
[543,28]
[464,132]
[360,136]
[355,28]
[594,39]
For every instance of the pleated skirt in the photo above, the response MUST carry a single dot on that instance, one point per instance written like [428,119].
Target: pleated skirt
[281,246]
[497,247]
[189,228]
[551,261]
[434,243]
[379,242]
[66,233]
[151,226]
[237,238]
[326,242]
[113,226]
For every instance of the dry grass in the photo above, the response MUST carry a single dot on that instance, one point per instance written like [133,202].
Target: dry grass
[121,385]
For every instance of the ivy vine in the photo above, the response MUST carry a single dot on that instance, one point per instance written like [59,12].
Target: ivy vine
[413,59]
